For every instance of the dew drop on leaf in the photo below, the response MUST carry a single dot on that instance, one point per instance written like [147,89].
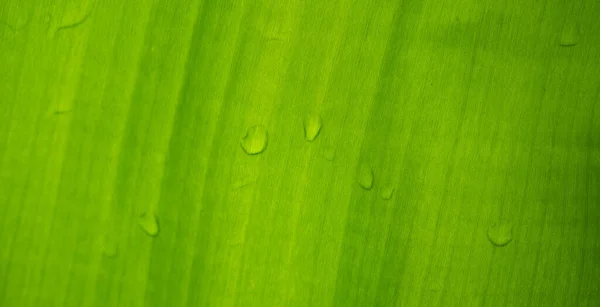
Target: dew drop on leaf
[329,153]
[109,247]
[312,127]
[365,176]
[569,35]
[500,233]
[149,224]
[387,192]
[255,140]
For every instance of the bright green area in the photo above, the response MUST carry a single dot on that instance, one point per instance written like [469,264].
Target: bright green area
[124,180]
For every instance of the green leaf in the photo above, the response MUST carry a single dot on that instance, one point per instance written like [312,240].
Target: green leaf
[299,153]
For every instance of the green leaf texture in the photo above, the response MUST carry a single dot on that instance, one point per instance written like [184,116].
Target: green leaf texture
[299,153]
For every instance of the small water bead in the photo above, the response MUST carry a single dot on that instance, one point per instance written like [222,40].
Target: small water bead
[436,287]
[109,247]
[365,176]
[312,127]
[387,192]
[255,140]
[329,153]
[149,224]
[500,233]
[569,35]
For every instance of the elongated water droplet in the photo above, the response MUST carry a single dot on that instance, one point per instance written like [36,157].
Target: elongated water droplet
[149,224]
[329,153]
[570,35]
[500,233]
[365,176]
[312,127]
[255,140]
[387,192]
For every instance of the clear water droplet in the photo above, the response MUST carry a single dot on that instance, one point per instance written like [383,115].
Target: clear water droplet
[500,233]
[436,286]
[149,224]
[387,192]
[365,176]
[109,247]
[312,127]
[329,153]
[569,35]
[255,140]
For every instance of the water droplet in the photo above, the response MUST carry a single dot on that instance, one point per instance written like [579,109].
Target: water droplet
[436,287]
[149,224]
[387,192]
[312,127]
[109,247]
[329,153]
[365,176]
[255,140]
[75,14]
[500,233]
[569,35]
